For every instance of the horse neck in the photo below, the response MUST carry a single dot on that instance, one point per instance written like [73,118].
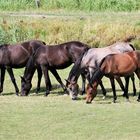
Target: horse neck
[30,69]
[76,51]
[26,47]
[74,74]
[76,69]
[4,54]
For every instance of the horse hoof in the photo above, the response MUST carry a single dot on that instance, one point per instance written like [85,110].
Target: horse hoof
[114,101]
[45,95]
[127,100]
[74,99]
[104,97]
[88,102]
[124,95]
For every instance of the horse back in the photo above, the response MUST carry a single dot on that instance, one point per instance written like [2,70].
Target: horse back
[119,64]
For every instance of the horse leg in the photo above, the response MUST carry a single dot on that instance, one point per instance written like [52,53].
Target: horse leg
[2,78]
[126,87]
[54,72]
[133,82]
[113,88]
[47,79]
[10,71]
[39,71]
[83,83]
[138,75]
[103,89]
[120,84]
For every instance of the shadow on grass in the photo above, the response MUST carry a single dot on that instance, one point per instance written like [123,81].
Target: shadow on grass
[57,90]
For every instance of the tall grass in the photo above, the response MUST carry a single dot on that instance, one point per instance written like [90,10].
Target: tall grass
[83,5]
[54,31]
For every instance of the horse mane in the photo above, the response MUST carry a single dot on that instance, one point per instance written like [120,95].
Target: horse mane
[98,74]
[29,66]
[76,68]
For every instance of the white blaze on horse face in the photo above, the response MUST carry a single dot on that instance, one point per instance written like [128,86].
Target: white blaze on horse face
[73,91]
[72,94]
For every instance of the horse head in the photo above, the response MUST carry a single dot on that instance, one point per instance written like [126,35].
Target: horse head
[25,86]
[73,89]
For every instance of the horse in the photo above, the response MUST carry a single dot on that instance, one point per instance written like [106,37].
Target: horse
[90,60]
[52,57]
[16,56]
[122,65]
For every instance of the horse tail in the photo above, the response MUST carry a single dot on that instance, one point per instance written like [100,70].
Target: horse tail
[132,47]
[129,39]
[76,68]
[43,43]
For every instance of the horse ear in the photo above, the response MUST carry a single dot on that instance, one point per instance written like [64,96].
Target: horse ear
[22,78]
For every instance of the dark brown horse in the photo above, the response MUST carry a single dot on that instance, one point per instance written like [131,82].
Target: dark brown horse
[51,58]
[16,56]
[115,65]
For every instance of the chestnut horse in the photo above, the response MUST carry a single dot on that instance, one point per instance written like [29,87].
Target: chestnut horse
[16,56]
[122,65]
[52,57]
[90,60]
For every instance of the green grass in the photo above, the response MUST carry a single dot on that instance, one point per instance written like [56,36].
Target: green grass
[57,117]
[71,5]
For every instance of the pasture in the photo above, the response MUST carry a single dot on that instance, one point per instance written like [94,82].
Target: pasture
[58,117]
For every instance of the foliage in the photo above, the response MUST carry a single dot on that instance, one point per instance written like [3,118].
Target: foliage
[96,33]
[83,5]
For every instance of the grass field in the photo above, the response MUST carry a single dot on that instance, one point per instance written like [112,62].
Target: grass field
[71,5]
[57,117]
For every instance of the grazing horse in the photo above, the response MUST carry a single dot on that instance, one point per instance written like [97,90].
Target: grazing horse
[51,58]
[90,60]
[115,65]
[16,56]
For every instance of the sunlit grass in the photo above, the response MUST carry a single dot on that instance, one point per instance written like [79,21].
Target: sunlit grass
[58,117]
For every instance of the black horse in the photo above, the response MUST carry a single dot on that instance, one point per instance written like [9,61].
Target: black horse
[16,56]
[51,58]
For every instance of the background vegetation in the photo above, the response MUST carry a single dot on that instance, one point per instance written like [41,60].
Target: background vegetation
[78,5]
[100,31]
